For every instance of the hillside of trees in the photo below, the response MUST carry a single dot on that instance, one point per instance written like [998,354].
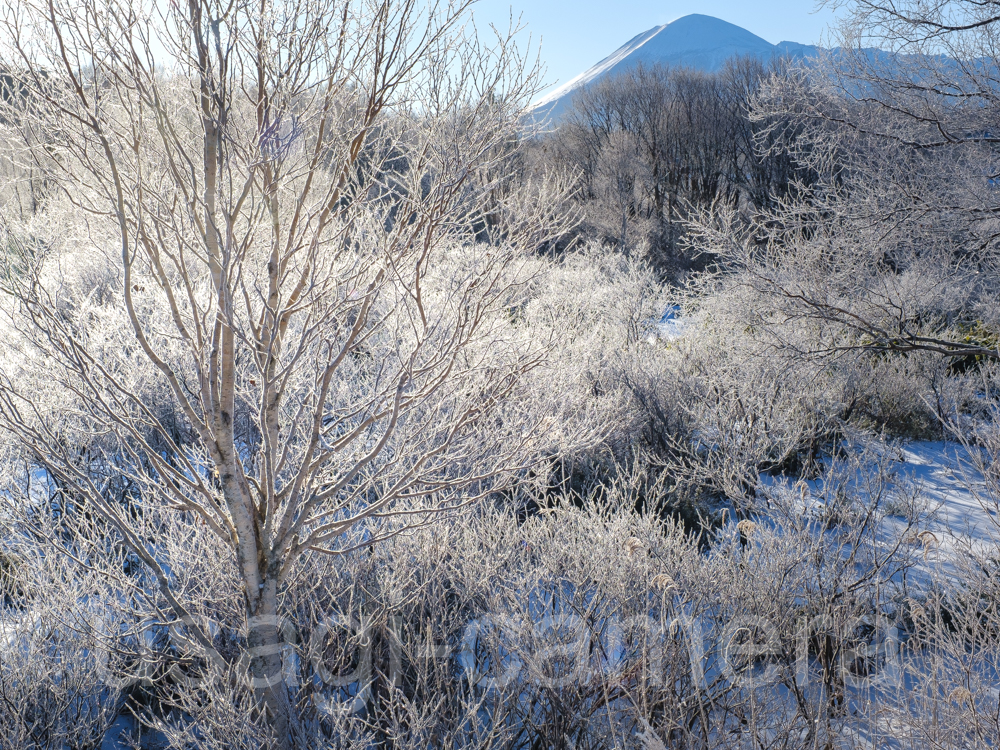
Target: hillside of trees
[654,147]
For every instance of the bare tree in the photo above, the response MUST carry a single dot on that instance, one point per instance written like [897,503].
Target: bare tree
[894,248]
[299,334]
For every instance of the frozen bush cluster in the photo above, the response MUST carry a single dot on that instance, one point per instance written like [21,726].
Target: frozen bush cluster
[337,410]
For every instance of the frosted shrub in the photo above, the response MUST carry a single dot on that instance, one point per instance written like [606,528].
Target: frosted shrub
[596,624]
[488,631]
[59,623]
[598,308]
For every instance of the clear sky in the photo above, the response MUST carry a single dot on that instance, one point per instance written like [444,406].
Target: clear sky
[575,34]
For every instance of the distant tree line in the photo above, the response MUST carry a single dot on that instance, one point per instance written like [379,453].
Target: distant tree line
[654,143]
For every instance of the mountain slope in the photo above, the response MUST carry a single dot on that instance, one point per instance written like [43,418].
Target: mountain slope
[694,41]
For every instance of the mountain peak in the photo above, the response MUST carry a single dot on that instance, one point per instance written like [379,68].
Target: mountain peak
[694,41]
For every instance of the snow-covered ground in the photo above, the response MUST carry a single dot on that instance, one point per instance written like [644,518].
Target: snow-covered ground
[956,514]
[959,511]
[118,736]
[670,326]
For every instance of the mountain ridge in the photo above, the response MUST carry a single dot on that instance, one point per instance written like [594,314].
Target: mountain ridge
[695,41]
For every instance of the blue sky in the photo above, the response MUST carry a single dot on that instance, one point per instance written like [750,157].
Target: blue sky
[575,34]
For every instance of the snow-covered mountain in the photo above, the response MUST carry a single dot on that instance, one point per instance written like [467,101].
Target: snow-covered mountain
[694,41]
